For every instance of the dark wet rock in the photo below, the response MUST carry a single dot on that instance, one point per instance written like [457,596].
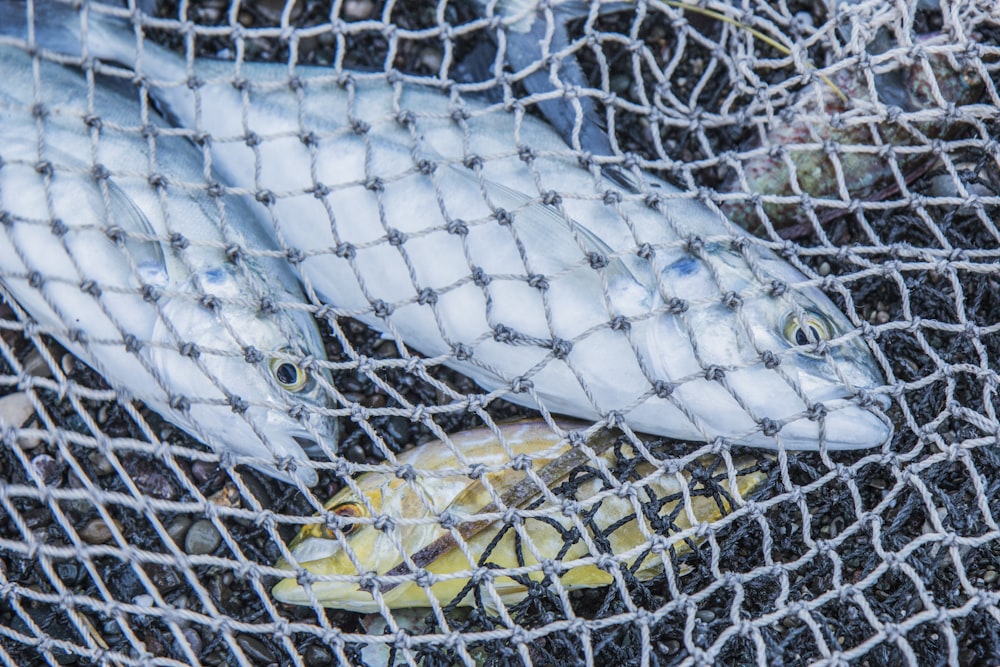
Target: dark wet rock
[257,651]
[202,538]
[96,531]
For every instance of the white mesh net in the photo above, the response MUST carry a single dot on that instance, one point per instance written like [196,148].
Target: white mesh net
[257,256]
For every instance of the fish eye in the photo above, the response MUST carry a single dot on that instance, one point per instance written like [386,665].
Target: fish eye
[350,510]
[811,328]
[288,375]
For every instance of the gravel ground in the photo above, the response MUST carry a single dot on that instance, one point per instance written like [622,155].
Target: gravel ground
[912,529]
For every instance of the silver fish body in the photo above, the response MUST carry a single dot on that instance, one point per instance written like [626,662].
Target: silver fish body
[471,234]
[112,243]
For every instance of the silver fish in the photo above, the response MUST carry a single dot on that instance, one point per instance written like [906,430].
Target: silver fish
[118,251]
[474,236]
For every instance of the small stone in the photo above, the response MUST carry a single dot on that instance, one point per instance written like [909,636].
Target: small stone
[431,59]
[705,616]
[96,532]
[193,639]
[398,429]
[257,651]
[227,496]
[882,317]
[153,483]
[102,466]
[989,576]
[358,10]
[258,491]
[387,349]
[202,538]
[374,401]
[28,442]
[144,601]
[68,572]
[48,469]
[669,647]
[824,269]
[317,655]
[355,454]
[178,529]
[16,409]
[202,471]
[68,364]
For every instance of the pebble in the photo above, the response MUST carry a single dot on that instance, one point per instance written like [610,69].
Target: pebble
[202,471]
[824,269]
[144,600]
[68,364]
[357,10]
[989,576]
[398,428]
[68,573]
[101,464]
[193,640]
[154,483]
[227,496]
[431,59]
[178,529]
[705,616]
[257,651]
[48,469]
[258,491]
[96,532]
[202,538]
[317,655]
[16,409]
[669,647]
[355,454]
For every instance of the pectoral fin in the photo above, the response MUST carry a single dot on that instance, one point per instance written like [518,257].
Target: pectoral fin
[129,226]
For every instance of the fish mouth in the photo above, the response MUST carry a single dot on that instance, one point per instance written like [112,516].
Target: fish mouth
[850,426]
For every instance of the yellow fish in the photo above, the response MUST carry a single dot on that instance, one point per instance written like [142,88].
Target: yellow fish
[391,525]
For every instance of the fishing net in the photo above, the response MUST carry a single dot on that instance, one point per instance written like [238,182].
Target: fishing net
[123,541]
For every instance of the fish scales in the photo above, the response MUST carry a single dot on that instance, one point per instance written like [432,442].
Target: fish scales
[608,524]
[474,236]
[113,245]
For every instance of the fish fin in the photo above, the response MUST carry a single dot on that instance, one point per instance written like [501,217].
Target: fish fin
[581,127]
[480,66]
[139,237]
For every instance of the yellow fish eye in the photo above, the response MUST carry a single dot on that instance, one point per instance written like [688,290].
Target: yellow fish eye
[288,375]
[811,328]
[349,510]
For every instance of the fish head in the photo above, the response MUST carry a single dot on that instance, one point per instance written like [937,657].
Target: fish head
[346,545]
[788,367]
[264,361]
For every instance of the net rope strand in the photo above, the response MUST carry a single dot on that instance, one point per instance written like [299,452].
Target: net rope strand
[886,555]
